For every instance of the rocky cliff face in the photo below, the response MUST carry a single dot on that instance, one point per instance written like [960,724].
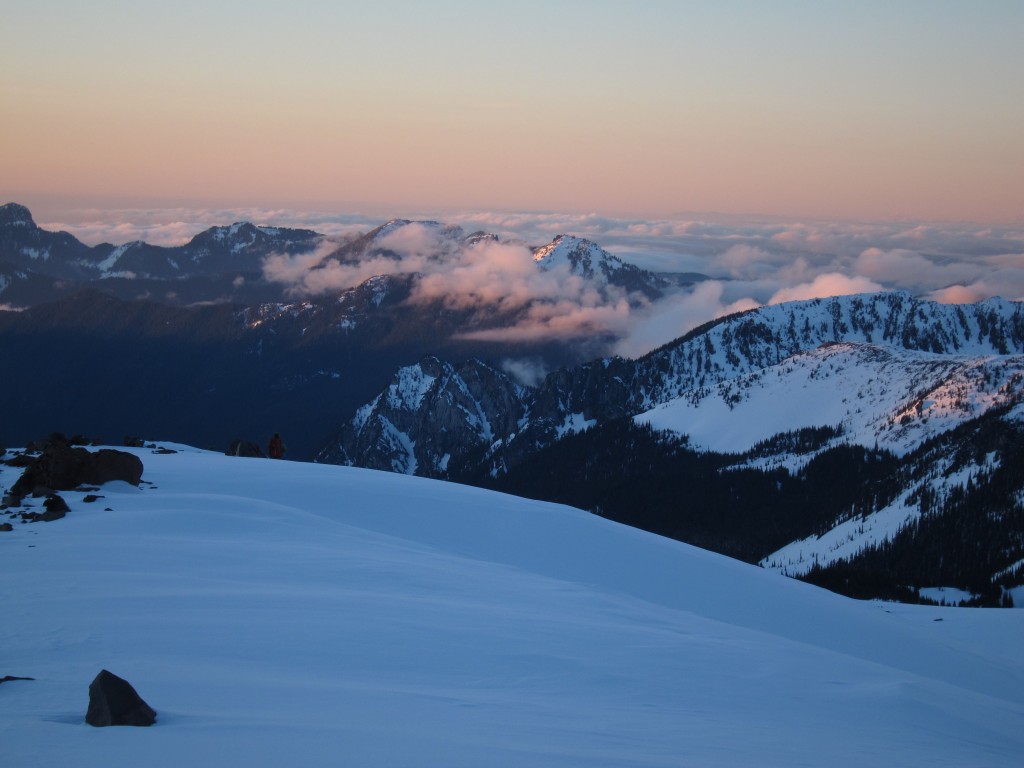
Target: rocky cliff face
[430,413]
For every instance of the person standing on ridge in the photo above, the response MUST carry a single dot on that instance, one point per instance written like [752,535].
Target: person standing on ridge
[275,448]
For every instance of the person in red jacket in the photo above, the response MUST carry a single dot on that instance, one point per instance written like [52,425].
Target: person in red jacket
[275,448]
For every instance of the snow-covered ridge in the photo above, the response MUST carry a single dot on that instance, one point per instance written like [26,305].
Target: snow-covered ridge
[904,370]
[874,395]
[402,619]
[768,336]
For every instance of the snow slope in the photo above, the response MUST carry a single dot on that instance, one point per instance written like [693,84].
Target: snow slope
[276,613]
[895,400]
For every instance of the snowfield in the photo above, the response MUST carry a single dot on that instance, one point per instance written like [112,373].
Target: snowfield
[893,400]
[277,613]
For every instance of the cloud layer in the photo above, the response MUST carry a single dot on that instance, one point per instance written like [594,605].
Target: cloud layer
[743,264]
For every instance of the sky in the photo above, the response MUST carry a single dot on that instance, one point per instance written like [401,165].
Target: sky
[288,613]
[908,110]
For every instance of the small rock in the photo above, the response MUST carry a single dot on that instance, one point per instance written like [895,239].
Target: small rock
[9,678]
[91,498]
[6,527]
[113,701]
[55,503]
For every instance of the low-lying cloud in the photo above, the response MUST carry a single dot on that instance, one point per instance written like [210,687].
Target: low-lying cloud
[743,265]
[830,284]
[736,264]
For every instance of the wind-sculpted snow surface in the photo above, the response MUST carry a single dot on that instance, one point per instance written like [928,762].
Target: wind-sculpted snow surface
[279,613]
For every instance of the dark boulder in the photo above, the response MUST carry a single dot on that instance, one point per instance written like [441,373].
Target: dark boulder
[108,464]
[55,508]
[6,527]
[245,448]
[61,467]
[113,701]
[20,460]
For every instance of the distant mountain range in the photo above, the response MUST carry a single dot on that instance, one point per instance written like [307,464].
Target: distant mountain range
[219,264]
[225,264]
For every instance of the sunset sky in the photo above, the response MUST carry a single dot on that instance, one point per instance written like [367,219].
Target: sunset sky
[862,110]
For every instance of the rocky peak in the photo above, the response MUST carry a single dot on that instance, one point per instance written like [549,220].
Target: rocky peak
[590,261]
[15,215]
[582,255]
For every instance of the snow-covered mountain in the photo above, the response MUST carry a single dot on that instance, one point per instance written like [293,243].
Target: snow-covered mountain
[784,389]
[899,362]
[872,395]
[284,613]
[590,261]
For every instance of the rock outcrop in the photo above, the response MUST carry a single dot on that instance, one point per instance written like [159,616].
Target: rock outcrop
[63,467]
[113,701]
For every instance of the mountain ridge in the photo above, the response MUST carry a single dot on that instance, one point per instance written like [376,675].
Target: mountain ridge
[745,343]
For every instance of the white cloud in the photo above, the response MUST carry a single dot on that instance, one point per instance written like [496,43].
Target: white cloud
[527,372]
[676,315]
[1006,283]
[823,286]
